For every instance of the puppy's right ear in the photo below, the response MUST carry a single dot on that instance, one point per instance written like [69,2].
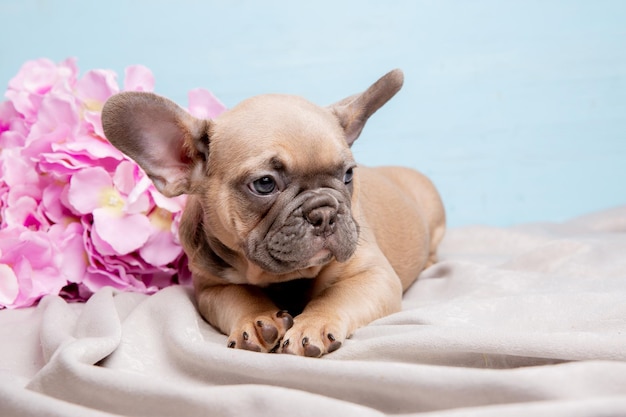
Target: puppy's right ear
[167,142]
[354,111]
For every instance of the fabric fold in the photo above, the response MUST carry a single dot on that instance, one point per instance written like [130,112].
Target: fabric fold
[526,320]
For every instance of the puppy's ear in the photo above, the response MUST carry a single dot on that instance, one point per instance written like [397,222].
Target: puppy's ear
[167,142]
[354,111]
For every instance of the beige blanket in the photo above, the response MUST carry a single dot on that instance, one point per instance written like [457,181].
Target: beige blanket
[519,321]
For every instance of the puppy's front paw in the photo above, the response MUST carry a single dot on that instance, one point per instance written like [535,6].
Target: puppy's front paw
[312,337]
[261,333]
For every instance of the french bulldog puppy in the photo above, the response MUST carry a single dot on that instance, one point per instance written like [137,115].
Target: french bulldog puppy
[292,244]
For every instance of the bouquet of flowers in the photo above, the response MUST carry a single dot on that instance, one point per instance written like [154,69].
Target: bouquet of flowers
[75,213]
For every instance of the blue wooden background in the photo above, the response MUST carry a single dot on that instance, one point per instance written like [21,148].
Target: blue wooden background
[516,109]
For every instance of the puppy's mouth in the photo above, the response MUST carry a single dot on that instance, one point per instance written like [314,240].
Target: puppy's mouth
[310,231]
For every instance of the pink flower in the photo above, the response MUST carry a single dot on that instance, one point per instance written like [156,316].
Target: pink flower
[204,105]
[68,239]
[75,213]
[138,78]
[13,127]
[36,79]
[162,246]
[120,225]
[30,264]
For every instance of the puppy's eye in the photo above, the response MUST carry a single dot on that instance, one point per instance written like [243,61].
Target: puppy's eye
[347,178]
[263,186]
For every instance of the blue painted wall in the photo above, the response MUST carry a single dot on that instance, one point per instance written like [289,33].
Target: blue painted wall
[516,109]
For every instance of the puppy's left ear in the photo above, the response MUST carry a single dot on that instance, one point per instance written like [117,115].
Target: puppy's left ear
[354,111]
[167,142]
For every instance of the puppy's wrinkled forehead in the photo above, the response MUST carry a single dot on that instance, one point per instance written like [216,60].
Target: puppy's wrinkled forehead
[265,129]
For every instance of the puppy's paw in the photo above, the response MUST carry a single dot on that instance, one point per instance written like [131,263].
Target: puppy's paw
[261,333]
[312,337]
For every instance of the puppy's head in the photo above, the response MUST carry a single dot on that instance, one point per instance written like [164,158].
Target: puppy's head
[274,175]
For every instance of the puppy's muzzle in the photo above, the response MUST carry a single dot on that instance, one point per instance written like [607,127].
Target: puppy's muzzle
[309,230]
[321,212]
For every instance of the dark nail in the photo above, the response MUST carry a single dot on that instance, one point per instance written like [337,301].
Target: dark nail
[286,343]
[331,337]
[245,336]
[305,341]
[282,313]
[259,323]
[232,344]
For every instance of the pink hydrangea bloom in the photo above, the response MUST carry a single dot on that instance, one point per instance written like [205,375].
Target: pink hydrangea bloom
[76,214]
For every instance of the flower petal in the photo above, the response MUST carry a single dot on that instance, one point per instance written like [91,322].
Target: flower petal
[54,111]
[35,76]
[124,233]
[138,78]
[124,177]
[16,169]
[86,189]
[34,259]
[23,212]
[204,105]
[95,87]
[9,288]
[94,121]
[69,240]
[125,180]
[161,249]
[171,204]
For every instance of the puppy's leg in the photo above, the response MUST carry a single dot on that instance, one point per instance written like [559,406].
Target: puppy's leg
[245,314]
[341,308]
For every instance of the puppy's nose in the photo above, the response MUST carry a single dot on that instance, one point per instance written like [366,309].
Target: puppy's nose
[323,220]
[321,212]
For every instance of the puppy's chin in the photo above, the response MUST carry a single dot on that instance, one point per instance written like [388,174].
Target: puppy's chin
[321,258]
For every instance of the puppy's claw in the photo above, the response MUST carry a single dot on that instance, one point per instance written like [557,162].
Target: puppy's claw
[232,344]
